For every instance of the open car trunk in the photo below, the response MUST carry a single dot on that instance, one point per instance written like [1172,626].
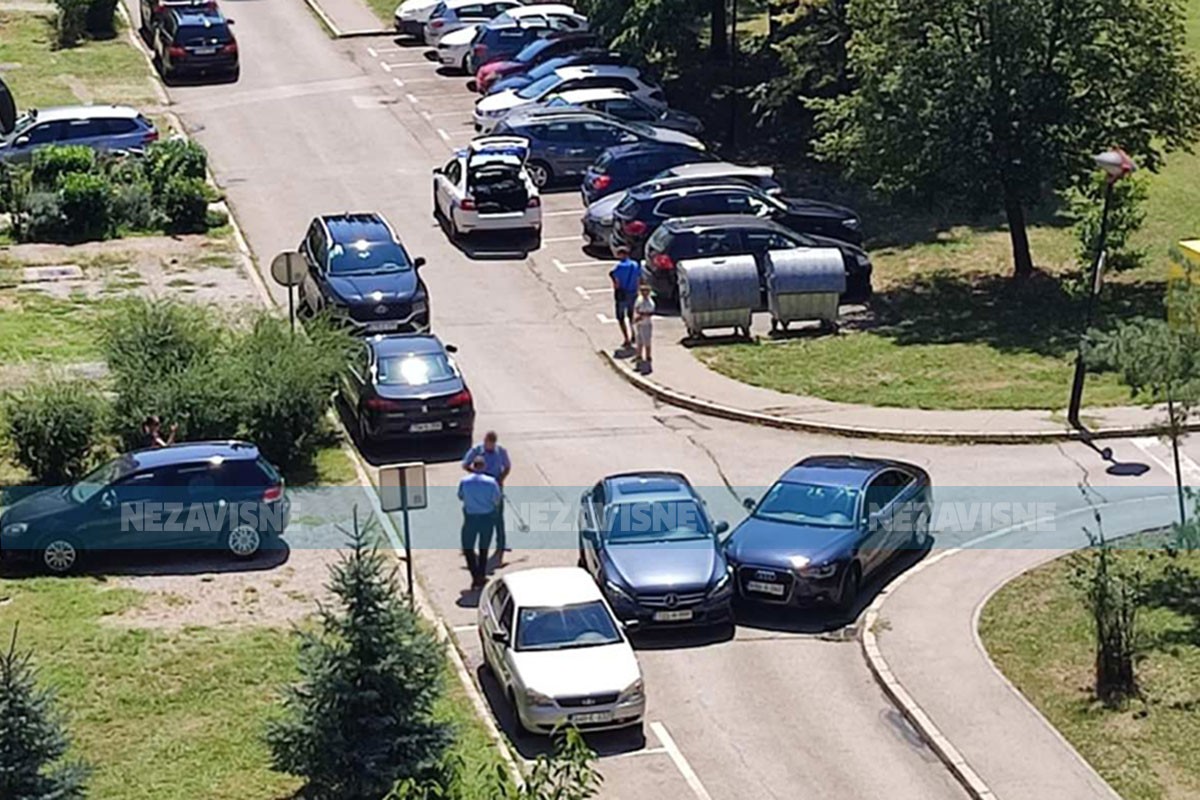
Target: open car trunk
[498,189]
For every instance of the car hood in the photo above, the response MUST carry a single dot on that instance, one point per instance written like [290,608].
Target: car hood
[381,288]
[583,670]
[459,38]
[603,208]
[669,136]
[46,503]
[816,208]
[499,102]
[758,541]
[665,566]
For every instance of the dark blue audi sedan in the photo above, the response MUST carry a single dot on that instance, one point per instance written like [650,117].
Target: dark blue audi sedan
[648,541]
[826,525]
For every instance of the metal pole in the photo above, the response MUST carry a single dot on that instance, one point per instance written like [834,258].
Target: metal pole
[733,76]
[408,559]
[1093,289]
[291,302]
[1175,452]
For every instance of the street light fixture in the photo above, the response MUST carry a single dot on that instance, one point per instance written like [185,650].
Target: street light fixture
[1116,164]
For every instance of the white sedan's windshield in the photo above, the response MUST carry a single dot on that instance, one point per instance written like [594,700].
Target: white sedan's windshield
[808,504]
[579,625]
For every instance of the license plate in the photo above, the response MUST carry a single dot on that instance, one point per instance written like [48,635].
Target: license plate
[766,588]
[205,51]
[594,717]
[386,325]
[424,427]
[673,616]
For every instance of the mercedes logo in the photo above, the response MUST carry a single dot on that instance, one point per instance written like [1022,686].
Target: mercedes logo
[671,601]
[381,309]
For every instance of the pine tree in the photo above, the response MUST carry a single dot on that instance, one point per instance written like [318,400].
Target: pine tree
[361,717]
[33,740]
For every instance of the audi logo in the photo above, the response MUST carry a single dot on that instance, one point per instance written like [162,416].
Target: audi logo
[765,574]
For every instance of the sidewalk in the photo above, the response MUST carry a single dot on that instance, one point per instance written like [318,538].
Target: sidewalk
[679,379]
[348,17]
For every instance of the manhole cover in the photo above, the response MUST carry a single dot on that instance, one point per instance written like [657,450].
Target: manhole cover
[64,272]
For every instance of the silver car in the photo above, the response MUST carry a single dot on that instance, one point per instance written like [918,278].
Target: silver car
[454,15]
[102,128]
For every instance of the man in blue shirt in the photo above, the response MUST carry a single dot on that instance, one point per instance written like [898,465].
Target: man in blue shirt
[480,495]
[497,465]
[626,276]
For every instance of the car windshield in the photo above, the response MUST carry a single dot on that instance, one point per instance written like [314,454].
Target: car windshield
[809,504]
[659,521]
[363,257]
[539,87]
[532,50]
[23,124]
[566,627]
[102,476]
[414,369]
[641,129]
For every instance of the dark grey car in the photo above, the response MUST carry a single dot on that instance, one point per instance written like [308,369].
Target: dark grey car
[103,128]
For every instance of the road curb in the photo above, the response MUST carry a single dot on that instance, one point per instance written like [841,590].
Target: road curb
[337,32]
[714,409]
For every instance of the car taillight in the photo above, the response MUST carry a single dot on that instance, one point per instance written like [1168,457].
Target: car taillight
[634,227]
[479,51]
[663,261]
[176,52]
[535,202]
[463,398]
[381,404]
[229,49]
[437,23]
[273,493]
[467,204]
[150,136]
[601,182]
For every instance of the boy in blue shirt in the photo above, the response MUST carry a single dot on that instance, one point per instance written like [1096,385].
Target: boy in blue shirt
[626,276]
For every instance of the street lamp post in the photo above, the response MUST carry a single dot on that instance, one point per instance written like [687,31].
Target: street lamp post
[1116,165]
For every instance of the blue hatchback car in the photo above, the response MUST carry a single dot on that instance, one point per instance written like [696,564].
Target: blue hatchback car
[647,539]
[826,525]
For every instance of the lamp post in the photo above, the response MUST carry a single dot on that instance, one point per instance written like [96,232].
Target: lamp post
[1116,165]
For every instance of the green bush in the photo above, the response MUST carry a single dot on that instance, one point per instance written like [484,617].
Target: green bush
[185,204]
[51,163]
[134,208]
[174,158]
[42,218]
[54,428]
[72,21]
[87,205]
[153,339]
[100,20]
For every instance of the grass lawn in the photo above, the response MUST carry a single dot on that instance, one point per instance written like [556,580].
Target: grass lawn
[384,9]
[1039,634]
[39,328]
[170,715]
[109,71]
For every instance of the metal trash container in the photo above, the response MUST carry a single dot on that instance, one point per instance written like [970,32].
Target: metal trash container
[718,293]
[804,284]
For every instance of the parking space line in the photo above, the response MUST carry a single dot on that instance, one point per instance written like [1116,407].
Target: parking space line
[561,213]
[463,628]
[557,239]
[372,52]
[445,136]
[645,751]
[1189,469]
[586,294]
[411,98]
[434,79]
[406,64]
[563,266]
[606,320]
[385,66]
[681,763]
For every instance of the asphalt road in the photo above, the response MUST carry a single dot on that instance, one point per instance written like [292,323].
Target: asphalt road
[785,709]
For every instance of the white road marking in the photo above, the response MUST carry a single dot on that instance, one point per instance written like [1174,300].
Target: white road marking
[412,99]
[1190,469]
[445,136]
[563,266]
[372,52]
[560,213]
[398,82]
[681,764]
[463,628]
[386,66]
[424,80]
[606,320]
[645,751]
[404,64]
[556,239]
[587,293]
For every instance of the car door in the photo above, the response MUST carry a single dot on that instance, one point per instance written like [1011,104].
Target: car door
[491,603]
[445,185]
[600,135]
[566,147]
[590,508]
[877,530]
[505,621]
[138,513]
[315,252]
[356,378]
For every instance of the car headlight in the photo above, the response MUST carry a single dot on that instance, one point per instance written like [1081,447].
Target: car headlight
[851,223]
[633,693]
[618,591]
[798,562]
[536,698]
[821,572]
[722,585]
[420,306]
[15,529]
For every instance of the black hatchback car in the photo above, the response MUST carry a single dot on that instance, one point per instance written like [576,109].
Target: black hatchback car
[407,386]
[627,165]
[197,495]
[645,208]
[738,234]
[360,273]
[195,41]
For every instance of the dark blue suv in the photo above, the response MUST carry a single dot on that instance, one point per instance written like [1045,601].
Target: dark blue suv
[647,539]
[630,164]
[360,273]
[197,495]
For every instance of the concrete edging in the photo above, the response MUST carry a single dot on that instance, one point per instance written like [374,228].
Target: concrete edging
[714,409]
[337,32]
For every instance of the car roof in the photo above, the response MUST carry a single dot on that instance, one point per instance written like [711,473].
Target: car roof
[541,8]
[639,148]
[597,70]
[82,112]
[187,452]
[838,470]
[551,586]
[651,189]
[532,113]
[710,221]
[721,169]
[193,15]
[402,344]
[593,95]
[647,487]
[349,227]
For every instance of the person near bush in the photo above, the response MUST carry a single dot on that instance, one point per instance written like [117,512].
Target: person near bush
[152,430]
[480,496]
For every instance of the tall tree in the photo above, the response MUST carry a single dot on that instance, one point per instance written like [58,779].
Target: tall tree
[33,739]
[361,717]
[998,102]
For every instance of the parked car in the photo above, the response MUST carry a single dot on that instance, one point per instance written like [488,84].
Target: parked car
[828,524]
[475,45]
[151,13]
[578,58]
[496,106]
[564,142]
[411,16]
[644,209]
[630,108]
[102,128]
[405,386]
[360,273]
[500,40]
[454,15]
[648,541]
[558,16]
[210,495]
[195,42]
[716,171]
[685,238]
[558,653]
[530,56]
[487,187]
[627,165]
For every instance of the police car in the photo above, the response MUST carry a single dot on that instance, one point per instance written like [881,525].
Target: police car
[485,187]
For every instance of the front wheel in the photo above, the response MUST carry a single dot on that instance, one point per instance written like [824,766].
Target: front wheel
[848,595]
[243,542]
[540,173]
[60,556]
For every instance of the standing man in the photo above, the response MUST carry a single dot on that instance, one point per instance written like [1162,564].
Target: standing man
[480,495]
[626,276]
[497,465]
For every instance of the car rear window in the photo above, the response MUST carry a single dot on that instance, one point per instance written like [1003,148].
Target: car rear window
[660,240]
[200,35]
[628,206]
[415,369]
[603,162]
[247,473]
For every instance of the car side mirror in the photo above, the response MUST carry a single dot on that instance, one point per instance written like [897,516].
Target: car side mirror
[108,499]
[419,262]
[722,527]
[451,348]
[628,138]
[228,21]
[21,141]
[630,625]
[748,503]
[500,637]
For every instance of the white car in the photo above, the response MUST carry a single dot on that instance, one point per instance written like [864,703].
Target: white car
[454,48]
[492,108]
[485,187]
[558,652]
[555,15]
[454,15]
[411,16]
